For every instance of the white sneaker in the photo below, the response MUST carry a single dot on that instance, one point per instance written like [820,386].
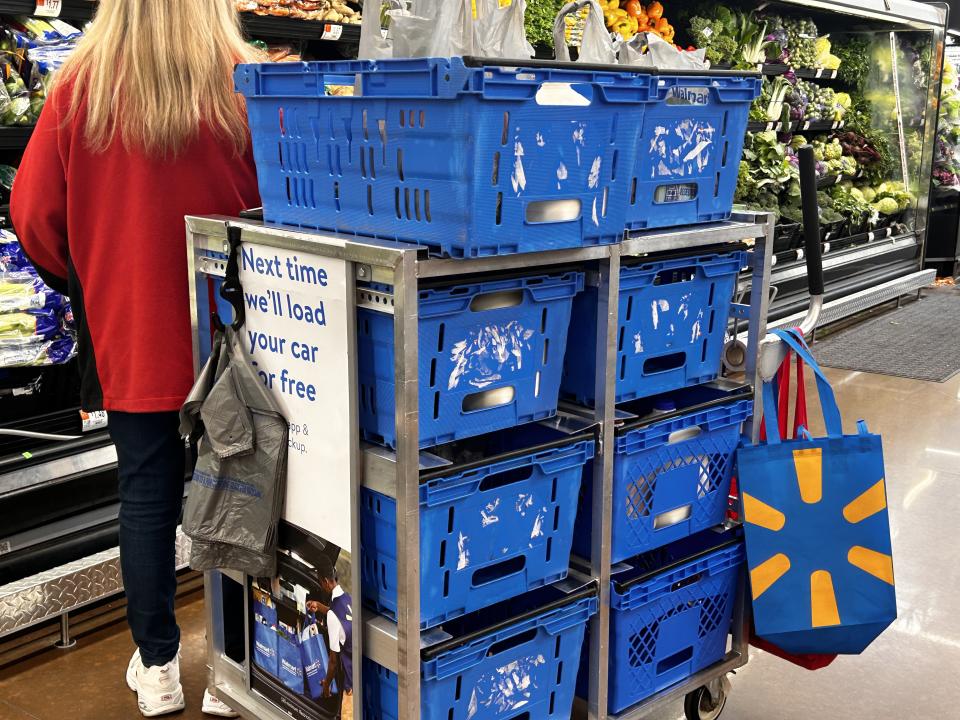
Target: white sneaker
[136,662]
[212,705]
[158,688]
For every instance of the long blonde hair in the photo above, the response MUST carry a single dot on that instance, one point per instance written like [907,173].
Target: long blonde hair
[154,70]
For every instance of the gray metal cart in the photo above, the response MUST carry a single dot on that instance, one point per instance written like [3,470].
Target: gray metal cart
[396,646]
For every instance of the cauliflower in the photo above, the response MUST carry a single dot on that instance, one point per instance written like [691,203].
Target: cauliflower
[869,194]
[843,99]
[887,206]
[822,45]
[833,150]
[830,62]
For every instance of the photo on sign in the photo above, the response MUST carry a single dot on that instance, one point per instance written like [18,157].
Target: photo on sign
[302,630]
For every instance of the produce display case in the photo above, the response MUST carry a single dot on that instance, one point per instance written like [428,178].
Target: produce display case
[890,66]
[943,246]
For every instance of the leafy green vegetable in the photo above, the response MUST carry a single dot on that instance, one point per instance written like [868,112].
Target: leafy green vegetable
[854,54]
[539,20]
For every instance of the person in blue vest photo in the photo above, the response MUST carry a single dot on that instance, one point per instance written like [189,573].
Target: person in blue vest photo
[339,621]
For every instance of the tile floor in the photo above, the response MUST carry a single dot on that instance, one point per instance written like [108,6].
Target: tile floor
[908,673]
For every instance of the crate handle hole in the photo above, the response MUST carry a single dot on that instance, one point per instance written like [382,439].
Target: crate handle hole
[684,434]
[664,363]
[672,517]
[674,660]
[488,399]
[553,211]
[507,477]
[496,300]
[498,571]
[512,642]
[561,94]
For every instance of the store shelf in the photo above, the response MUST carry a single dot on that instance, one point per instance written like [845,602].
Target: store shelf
[737,228]
[15,137]
[69,587]
[72,10]
[287,28]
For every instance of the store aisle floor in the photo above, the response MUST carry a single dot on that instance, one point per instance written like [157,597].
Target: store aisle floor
[907,673]
[87,681]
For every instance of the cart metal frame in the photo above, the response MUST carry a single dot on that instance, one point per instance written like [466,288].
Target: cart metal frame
[396,646]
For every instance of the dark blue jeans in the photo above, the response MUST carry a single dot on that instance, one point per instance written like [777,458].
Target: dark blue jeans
[151,461]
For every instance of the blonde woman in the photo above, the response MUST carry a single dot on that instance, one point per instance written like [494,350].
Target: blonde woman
[141,128]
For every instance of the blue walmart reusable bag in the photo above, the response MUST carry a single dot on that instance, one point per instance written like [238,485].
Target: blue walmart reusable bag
[313,648]
[265,638]
[817,531]
[290,660]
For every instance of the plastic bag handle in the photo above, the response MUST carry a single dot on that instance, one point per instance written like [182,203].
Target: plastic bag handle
[828,402]
[559,28]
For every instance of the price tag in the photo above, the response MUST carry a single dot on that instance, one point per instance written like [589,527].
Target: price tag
[48,8]
[93,420]
[332,32]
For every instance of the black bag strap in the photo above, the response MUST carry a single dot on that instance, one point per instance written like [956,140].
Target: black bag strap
[231,290]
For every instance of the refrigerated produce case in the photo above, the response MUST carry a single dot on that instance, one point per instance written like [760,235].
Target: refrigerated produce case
[866,265]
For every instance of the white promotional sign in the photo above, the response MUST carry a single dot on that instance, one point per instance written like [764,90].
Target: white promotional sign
[296,338]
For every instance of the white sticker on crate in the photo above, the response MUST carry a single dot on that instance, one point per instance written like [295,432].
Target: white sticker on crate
[488,515]
[508,689]
[481,358]
[463,555]
[519,176]
[637,344]
[594,179]
[683,151]
[657,307]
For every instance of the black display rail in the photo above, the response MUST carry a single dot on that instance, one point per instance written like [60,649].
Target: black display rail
[797,126]
[775,69]
[288,28]
[71,11]
[15,137]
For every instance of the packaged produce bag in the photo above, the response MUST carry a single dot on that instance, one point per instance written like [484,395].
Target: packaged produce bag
[817,531]
[597,45]
[316,660]
[290,661]
[265,639]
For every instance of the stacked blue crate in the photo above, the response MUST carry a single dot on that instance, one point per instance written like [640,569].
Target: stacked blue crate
[470,158]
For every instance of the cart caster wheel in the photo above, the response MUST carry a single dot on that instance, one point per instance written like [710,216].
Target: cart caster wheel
[702,704]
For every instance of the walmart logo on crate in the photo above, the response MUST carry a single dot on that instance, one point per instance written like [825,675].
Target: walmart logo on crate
[832,576]
[682,150]
[483,356]
[688,96]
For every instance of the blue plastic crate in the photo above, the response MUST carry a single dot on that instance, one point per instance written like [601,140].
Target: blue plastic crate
[689,150]
[469,160]
[491,528]
[672,324]
[670,615]
[671,471]
[490,357]
[503,665]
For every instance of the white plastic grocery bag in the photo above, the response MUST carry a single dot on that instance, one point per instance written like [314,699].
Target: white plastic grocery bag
[597,45]
[499,31]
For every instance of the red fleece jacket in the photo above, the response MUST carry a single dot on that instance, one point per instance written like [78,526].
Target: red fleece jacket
[108,228]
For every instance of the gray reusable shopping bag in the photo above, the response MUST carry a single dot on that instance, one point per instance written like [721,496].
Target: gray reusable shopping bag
[236,496]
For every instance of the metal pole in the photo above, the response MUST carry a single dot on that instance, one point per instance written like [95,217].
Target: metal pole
[757,329]
[65,642]
[605,392]
[405,325]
